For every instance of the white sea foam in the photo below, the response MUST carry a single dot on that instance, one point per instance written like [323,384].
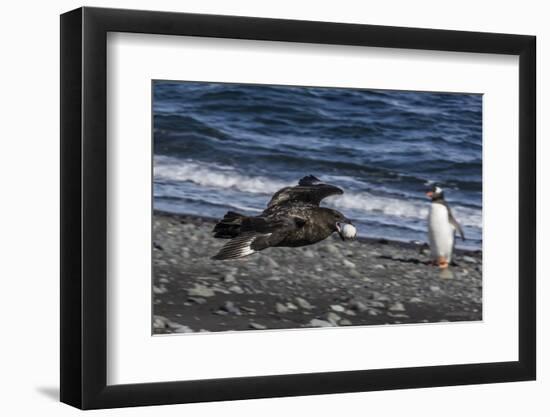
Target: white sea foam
[215,176]
[389,206]
[223,177]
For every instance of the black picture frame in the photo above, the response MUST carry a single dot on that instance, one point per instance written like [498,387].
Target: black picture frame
[84,207]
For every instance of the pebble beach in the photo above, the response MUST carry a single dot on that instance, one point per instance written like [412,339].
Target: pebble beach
[328,284]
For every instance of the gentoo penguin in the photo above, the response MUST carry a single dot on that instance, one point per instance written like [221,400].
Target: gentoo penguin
[292,218]
[441,228]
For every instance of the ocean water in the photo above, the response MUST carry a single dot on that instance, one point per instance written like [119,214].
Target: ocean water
[220,147]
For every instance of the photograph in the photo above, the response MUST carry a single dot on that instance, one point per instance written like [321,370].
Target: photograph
[300,207]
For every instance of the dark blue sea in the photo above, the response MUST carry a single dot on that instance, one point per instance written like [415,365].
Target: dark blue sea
[220,147]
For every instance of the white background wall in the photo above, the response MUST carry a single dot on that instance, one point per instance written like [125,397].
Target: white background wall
[29,237]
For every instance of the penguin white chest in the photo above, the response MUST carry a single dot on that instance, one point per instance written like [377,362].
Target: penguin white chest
[440,232]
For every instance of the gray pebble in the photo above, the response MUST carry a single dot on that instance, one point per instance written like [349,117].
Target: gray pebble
[303,303]
[381,297]
[221,312]
[398,315]
[270,262]
[183,329]
[376,304]
[333,318]
[358,305]
[320,323]
[229,277]
[159,290]
[200,291]
[236,289]
[332,249]
[348,264]
[397,307]
[230,307]
[159,322]
[281,308]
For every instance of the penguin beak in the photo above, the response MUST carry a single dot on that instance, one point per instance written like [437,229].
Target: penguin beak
[430,194]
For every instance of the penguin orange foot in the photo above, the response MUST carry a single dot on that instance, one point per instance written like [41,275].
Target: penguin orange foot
[442,262]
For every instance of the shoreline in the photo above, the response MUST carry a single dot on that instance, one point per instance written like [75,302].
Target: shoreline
[362,239]
[331,283]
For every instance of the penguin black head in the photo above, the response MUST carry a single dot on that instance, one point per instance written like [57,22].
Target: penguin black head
[435,193]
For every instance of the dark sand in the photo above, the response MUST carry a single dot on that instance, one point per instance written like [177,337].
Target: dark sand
[331,283]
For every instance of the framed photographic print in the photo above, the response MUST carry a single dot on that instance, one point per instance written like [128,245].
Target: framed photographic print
[258,208]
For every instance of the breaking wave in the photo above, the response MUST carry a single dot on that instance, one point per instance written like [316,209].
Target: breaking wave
[215,176]
[395,207]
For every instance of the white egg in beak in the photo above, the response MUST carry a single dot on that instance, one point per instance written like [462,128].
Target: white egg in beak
[347,231]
